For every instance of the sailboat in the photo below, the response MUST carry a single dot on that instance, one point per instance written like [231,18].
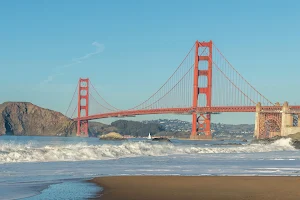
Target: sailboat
[149,137]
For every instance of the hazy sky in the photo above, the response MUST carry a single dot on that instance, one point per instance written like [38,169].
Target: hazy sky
[129,48]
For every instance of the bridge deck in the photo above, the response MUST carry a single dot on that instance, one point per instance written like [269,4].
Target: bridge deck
[189,110]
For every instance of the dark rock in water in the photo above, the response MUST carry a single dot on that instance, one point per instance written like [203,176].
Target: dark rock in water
[295,140]
[230,143]
[295,136]
[244,140]
[296,144]
[161,139]
[266,140]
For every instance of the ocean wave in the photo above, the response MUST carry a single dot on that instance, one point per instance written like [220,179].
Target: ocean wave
[11,152]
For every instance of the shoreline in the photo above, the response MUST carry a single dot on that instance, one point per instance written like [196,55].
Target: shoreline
[198,187]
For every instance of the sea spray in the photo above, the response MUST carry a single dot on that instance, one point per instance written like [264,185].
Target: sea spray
[12,152]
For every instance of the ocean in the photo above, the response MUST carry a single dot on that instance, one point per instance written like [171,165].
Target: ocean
[58,167]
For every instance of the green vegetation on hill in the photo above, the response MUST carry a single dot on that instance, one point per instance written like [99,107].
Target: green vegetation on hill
[176,134]
[137,129]
[97,128]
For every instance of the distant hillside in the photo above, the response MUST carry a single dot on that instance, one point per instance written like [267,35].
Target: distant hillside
[179,128]
[97,128]
[136,129]
[24,118]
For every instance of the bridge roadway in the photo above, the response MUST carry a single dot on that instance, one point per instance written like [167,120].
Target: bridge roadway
[188,110]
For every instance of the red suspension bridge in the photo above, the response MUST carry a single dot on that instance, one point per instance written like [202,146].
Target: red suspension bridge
[203,84]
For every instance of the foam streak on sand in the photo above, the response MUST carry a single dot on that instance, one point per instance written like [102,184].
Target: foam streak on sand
[11,152]
[185,187]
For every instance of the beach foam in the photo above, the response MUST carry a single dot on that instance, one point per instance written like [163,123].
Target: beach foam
[12,152]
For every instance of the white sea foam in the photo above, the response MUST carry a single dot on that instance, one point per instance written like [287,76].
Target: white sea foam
[11,152]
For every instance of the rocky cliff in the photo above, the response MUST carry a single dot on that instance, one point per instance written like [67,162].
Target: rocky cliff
[23,118]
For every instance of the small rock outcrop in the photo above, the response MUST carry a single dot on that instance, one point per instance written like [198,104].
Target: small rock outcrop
[112,136]
[161,139]
[296,144]
[229,144]
[295,140]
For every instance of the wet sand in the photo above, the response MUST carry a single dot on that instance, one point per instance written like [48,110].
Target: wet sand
[199,187]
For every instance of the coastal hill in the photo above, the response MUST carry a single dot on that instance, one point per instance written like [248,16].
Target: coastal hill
[137,129]
[24,118]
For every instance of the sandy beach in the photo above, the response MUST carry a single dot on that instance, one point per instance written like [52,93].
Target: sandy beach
[199,187]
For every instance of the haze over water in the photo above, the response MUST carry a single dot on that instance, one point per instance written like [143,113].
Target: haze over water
[40,166]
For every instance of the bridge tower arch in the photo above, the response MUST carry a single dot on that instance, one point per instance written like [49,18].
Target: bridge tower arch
[201,121]
[83,107]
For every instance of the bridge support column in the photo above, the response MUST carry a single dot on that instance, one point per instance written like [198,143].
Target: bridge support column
[83,107]
[287,119]
[82,128]
[194,125]
[201,122]
[267,123]
[257,120]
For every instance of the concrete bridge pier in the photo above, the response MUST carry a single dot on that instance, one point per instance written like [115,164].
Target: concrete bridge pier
[287,119]
[281,122]
[257,119]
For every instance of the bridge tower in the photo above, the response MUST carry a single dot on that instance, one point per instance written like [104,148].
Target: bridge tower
[201,121]
[83,107]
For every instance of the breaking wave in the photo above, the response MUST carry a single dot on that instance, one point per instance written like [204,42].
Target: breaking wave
[11,152]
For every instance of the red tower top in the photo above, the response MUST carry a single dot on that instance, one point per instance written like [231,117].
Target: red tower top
[202,123]
[83,106]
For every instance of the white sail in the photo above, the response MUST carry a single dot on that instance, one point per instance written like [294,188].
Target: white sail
[149,137]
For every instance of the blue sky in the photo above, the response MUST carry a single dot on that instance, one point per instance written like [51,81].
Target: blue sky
[129,48]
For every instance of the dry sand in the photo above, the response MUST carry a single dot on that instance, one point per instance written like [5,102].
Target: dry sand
[199,187]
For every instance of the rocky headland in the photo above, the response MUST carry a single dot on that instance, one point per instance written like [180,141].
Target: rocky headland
[24,118]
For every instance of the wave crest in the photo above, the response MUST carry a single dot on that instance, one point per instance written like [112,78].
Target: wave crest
[11,152]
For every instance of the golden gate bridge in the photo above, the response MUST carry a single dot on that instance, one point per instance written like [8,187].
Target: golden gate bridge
[204,83]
